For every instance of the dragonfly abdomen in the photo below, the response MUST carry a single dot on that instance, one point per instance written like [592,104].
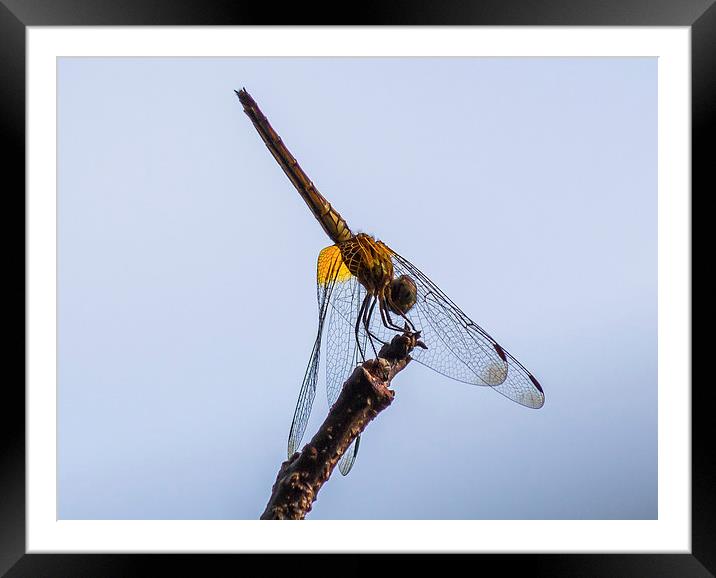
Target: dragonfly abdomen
[333,224]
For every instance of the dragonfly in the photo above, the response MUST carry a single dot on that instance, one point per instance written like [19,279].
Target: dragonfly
[367,292]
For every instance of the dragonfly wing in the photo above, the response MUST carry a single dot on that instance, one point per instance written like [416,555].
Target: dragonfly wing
[305,399]
[461,349]
[342,354]
[348,459]
[520,385]
[331,272]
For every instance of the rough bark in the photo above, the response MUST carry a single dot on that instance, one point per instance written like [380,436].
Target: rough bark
[364,395]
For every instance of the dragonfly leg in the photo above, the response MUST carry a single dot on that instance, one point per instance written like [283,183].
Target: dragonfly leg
[367,312]
[361,313]
[408,321]
[367,325]
[385,316]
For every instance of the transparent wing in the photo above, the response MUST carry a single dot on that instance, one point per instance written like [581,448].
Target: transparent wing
[342,354]
[348,459]
[341,348]
[305,399]
[330,273]
[458,347]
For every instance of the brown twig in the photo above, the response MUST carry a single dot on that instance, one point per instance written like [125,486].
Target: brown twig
[364,395]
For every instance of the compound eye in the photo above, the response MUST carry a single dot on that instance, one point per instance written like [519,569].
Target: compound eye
[403,294]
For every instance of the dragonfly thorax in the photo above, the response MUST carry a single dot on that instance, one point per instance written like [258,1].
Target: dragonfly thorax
[370,261]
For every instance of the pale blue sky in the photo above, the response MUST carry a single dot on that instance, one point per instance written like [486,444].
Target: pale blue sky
[525,188]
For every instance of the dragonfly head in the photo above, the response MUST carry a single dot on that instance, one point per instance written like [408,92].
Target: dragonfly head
[403,294]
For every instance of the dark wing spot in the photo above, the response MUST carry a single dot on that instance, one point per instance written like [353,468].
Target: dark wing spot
[501,352]
[537,385]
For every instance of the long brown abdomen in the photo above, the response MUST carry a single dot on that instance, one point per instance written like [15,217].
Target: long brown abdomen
[333,224]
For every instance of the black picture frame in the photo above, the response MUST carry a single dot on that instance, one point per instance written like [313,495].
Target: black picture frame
[16,15]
